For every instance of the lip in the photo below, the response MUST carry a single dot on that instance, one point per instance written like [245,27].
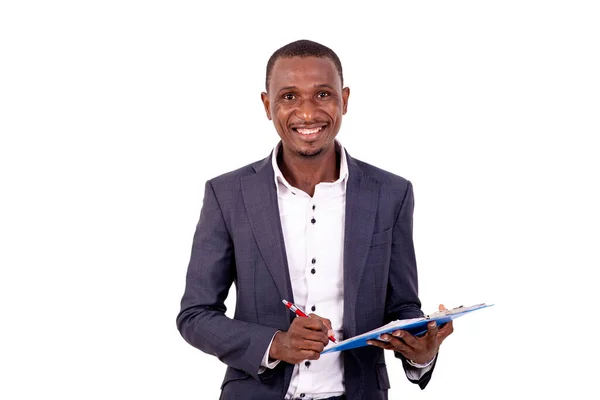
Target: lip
[308,126]
[310,137]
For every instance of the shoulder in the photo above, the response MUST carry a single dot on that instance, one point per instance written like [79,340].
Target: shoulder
[233,178]
[387,180]
[395,191]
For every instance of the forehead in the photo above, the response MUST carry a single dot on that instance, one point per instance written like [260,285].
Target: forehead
[304,72]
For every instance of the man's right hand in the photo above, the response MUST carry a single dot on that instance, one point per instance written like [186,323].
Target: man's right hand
[305,340]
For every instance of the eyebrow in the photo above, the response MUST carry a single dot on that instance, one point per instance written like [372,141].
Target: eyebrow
[324,85]
[321,85]
[287,88]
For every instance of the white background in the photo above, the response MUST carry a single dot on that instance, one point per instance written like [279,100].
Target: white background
[113,114]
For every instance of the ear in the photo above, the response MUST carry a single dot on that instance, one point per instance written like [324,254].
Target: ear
[265,99]
[345,95]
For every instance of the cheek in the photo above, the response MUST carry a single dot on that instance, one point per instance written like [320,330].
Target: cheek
[335,110]
[280,115]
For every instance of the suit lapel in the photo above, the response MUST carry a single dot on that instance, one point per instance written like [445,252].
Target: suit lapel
[260,199]
[362,196]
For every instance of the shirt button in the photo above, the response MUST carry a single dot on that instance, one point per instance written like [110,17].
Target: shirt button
[312,221]
[313,308]
[314,260]
[302,395]
[314,206]
[313,271]
[307,364]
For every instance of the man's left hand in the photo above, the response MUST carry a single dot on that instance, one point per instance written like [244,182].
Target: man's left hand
[419,350]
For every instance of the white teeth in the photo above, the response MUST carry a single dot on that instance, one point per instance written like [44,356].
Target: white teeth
[309,131]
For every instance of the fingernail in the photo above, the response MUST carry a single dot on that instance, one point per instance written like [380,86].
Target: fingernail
[432,324]
[397,334]
[369,342]
[385,338]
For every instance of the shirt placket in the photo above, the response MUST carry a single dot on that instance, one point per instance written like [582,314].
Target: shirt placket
[305,376]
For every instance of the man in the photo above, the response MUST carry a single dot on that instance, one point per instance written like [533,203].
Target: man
[314,226]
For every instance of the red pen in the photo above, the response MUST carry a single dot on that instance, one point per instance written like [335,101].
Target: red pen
[301,313]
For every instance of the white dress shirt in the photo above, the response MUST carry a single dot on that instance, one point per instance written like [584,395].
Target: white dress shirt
[313,233]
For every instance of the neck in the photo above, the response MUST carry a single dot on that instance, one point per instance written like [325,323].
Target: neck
[306,172]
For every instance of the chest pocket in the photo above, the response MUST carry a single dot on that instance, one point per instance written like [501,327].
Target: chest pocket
[380,238]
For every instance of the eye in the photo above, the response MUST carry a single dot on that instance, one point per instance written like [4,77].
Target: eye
[289,96]
[322,95]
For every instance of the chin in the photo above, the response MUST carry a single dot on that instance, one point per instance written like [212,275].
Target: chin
[312,149]
[310,152]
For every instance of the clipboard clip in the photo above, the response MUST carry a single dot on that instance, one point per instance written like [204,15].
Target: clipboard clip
[443,313]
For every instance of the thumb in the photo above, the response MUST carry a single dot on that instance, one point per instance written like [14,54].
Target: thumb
[324,321]
[432,330]
[327,324]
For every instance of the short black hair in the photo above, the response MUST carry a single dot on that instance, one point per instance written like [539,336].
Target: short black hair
[303,48]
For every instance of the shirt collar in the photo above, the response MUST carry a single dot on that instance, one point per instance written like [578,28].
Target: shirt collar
[281,183]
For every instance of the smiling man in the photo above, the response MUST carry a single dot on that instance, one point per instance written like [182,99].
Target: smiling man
[315,226]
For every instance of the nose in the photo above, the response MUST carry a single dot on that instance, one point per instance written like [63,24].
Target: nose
[306,110]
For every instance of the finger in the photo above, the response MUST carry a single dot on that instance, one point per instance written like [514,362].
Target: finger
[442,308]
[314,336]
[325,321]
[314,324]
[301,331]
[394,343]
[309,355]
[432,332]
[432,328]
[379,343]
[399,345]
[309,345]
[406,337]
[445,331]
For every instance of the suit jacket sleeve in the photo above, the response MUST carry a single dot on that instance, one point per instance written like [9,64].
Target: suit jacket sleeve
[211,271]
[402,298]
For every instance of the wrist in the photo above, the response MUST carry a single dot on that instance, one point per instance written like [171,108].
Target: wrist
[274,350]
[420,365]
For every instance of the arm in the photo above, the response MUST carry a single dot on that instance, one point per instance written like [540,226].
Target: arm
[402,296]
[211,271]
[403,301]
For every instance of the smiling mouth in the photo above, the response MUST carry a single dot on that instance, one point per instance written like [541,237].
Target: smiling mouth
[308,131]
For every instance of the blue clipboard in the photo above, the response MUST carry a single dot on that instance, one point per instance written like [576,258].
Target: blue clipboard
[415,326]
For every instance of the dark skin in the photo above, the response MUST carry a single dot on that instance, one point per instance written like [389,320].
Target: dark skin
[304,94]
[306,102]
[421,349]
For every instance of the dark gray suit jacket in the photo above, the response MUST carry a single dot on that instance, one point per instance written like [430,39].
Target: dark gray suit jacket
[239,240]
